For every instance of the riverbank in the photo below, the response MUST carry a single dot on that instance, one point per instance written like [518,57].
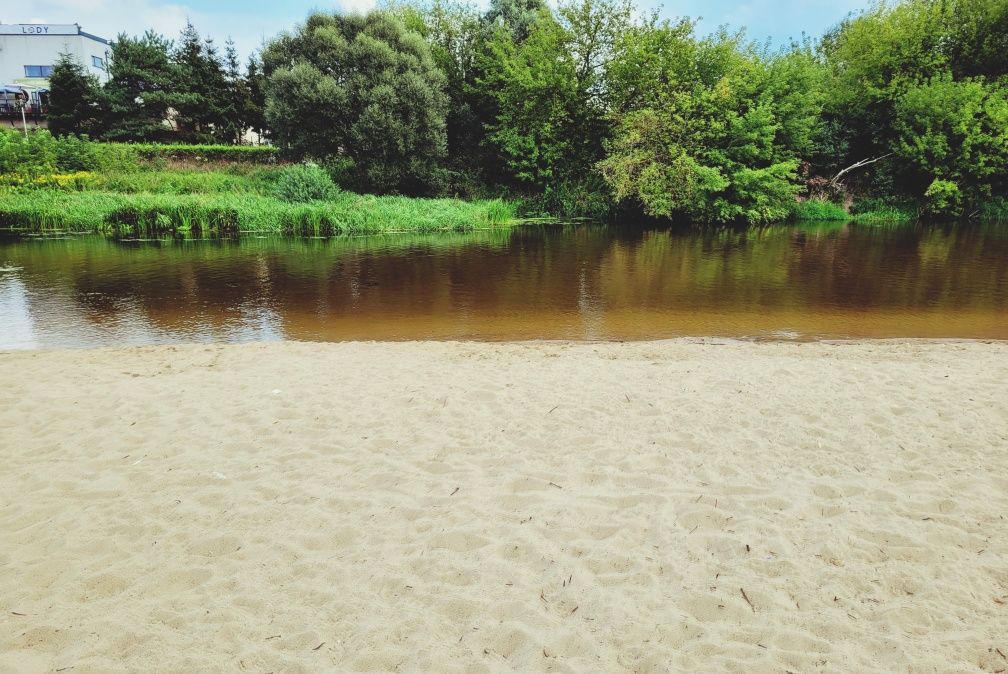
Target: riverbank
[709,506]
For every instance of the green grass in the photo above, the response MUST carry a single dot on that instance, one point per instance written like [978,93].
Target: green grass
[222,214]
[883,211]
[240,178]
[886,215]
[995,210]
[818,210]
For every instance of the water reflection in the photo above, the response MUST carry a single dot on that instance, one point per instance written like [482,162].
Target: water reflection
[574,282]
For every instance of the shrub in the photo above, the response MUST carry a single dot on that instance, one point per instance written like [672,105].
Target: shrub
[585,198]
[75,154]
[305,182]
[31,155]
[40,153]
[943,198]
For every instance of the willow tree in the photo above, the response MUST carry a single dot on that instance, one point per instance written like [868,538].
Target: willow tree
[360,91]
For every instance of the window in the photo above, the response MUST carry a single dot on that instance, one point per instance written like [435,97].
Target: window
[98,62]
[38,71]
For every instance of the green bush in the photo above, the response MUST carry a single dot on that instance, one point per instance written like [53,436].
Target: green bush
[587,198]
[943,198]
[304,183]
[75,154]
[31,155]
[41,153]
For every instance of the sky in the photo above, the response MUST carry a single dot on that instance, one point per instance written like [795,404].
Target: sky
[249,22]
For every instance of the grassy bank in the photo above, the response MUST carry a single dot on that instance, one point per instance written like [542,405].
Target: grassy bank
[67,184]
[147,214]
[866,212]
[816,210]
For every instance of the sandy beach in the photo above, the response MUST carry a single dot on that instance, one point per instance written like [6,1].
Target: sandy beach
[584,507]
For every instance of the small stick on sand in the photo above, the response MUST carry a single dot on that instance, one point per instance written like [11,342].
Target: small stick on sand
[746,597]
[552,410]
[323,644]
[573,610]
[554,484]
[454,492]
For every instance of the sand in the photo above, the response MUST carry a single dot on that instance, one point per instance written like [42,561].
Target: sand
[645,507]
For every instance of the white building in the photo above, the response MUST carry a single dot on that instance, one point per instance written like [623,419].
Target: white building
[29,50]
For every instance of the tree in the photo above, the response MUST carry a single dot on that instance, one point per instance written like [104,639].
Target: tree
[254,112]
[920,82]
[516,17]
[534,86]
[74,99]
[709,129]
[363,89]
[594,28]
[454,32]
[954,133]
[237,100]
[201,89]
[141,88]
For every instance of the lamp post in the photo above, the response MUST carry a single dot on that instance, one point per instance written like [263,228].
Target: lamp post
[22,101]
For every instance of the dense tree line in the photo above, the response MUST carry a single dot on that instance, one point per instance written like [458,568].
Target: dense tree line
[160,90]
[593,107]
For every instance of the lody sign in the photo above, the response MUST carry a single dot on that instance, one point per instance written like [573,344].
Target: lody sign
[38,29]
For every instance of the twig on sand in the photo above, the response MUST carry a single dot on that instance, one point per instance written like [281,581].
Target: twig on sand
[23,615]
[275,636]
[573,610]
[746,597]
[554,484]
[552,410]
[627,396]
[319,646]
[454,492]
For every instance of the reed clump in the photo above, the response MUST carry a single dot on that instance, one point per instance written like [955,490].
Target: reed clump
[818,210]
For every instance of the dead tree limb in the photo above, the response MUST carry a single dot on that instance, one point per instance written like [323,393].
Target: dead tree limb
[864,162]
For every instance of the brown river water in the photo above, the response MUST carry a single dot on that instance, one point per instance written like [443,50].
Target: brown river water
[577,282]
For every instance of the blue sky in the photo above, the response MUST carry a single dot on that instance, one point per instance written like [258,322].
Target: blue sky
[249,21]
